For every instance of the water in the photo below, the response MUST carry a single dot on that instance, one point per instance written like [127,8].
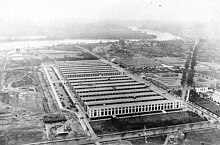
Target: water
[161,36]
[43,43]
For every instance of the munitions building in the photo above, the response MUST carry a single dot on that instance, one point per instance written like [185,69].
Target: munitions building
[104,90]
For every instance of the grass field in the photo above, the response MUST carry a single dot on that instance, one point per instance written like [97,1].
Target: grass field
[118,125]
[208,137]
[209,105]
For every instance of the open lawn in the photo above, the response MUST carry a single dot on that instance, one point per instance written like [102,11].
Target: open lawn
[208,137]
[119,125]
[207,104]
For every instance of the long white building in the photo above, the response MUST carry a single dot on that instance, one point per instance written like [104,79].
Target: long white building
[104,90]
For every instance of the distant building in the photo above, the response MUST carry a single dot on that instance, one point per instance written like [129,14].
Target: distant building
[17,50]
[201,68]
[201,79]
[168,81]
[61,130]
[137,62]
[212,66]
[18,56]
[121,41]
[154,44]
[173,61]
[215,96]
[201,88]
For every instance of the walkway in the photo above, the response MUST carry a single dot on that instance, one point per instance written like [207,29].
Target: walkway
[80,114]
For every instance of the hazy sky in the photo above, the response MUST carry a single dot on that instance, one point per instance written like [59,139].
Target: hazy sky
[45,11]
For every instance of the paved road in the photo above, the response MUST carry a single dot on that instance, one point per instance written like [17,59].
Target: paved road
[80,114]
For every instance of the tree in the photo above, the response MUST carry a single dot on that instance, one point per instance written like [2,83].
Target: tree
[188,73]
[191,125]
[123,135]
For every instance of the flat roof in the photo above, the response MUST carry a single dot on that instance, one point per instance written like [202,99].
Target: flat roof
[104,85]
[169,81]
[110,92]
[79,61]
[119,95]
[212,65]
[97,77]
[175,60]
[103,82]
[106,89]
[99,80]
[110,88]
[90,72]
[85,68]
[134,104]
[88,69]
[82,66]
[122,101]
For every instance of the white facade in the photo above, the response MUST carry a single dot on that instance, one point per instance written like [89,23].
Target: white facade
[120,110]
[203,89]
[104,91]
[216,96]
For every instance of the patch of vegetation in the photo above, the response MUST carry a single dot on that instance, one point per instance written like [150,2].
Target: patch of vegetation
[202,102]
[83,56]
[116,125]
[27,80]
[23,63]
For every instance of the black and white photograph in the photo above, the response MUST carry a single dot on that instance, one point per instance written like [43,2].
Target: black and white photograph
[109,72]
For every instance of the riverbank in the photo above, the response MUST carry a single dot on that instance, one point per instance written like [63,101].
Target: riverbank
[43,41]
[161,36]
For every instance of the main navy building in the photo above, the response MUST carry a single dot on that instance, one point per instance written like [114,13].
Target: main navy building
[105,90]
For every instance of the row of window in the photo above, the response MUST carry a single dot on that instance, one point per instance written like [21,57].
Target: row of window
[114,85]
[100,80]
[82,66]
[87,68]
[85,78]
[115,93]
[164,86]
[124,97]
[133,109]
[86,75]
[88,72]
[133,101]
[202,89]
[102,83]
[111,89]
[82,62]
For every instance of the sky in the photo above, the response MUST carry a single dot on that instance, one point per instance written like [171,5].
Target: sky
[46,11]
[22,14]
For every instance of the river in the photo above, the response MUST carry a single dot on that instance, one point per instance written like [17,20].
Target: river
[43,43]
[161,36]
